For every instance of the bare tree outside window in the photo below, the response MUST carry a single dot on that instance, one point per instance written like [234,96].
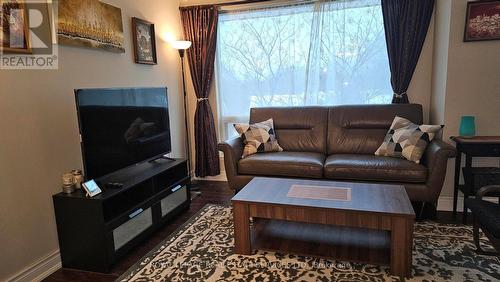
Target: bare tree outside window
[328,53]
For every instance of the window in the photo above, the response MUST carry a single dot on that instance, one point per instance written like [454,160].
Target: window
[323,53]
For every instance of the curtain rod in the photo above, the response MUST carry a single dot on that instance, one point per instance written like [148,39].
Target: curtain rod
[233,3]
[242,2]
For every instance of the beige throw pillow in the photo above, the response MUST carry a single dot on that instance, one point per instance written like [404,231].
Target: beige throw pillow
[407,140]
[258,137]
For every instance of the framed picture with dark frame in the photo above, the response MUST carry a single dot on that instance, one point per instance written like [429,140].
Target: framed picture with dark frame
[14,28]
[482,21]
[143,33]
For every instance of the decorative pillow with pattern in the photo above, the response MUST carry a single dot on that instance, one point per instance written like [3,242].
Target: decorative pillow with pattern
[258,137]
[407,140]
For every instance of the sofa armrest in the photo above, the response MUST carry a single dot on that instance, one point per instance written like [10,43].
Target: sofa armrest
[436,159]
[232,149]
[439,148]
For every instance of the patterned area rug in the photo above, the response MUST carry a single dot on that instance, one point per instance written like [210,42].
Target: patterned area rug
[202,250]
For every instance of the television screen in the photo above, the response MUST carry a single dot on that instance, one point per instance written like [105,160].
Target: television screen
[122,127]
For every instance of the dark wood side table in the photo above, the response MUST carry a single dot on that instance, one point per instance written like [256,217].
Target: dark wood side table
[478,146]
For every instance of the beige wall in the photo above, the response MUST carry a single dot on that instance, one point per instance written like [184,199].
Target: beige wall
[440,60]
[420,88]
[473,86]
[466,80]
[39,138]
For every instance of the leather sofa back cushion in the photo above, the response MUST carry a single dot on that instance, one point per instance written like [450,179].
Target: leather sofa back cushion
[361,129]
[301,129]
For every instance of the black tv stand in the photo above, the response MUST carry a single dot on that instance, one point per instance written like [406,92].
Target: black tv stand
[95,232]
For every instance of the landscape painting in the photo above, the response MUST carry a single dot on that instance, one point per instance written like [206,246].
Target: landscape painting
[90,23]
[482,21]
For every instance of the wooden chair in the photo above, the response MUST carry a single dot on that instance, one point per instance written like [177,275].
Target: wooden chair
[486,215]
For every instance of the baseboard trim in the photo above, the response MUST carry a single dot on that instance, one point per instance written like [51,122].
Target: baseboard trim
[445,203]
[220,177]
[40,269]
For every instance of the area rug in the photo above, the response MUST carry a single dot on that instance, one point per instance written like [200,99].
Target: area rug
[202,250]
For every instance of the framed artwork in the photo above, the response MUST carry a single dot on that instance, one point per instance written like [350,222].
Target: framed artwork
[90,23]
[53,30]
[14,29]
[143,33]
[482,20]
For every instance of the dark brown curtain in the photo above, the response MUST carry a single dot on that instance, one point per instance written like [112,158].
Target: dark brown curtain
[406,23]
[200,27]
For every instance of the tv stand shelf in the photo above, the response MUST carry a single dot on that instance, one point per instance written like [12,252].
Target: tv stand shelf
[95,232]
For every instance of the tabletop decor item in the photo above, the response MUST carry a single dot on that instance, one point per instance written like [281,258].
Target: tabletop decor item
[482,20]
[68,183]
[92,188]
[77,178]
[144,42]
[467,126]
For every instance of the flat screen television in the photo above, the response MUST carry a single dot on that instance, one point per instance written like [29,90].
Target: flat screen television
[122,127]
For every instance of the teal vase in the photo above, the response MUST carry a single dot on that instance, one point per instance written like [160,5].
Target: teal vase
[467,126]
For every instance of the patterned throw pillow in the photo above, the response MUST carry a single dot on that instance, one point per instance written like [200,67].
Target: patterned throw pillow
[258,137]
[407,140]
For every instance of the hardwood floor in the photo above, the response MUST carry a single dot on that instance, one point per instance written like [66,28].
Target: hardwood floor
[212,193]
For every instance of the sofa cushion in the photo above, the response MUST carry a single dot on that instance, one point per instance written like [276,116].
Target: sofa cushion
[487,214]
[292,164]
[360,129]
[373,168]
[298,129]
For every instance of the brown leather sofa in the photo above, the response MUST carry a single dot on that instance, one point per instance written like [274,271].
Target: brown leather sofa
[338,143]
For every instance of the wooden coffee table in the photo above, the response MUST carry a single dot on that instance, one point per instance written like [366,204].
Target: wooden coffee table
[355,221]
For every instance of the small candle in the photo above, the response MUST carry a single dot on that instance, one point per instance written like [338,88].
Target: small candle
[77,178]
[67,179]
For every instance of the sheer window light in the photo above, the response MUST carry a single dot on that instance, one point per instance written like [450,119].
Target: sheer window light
[326,53]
